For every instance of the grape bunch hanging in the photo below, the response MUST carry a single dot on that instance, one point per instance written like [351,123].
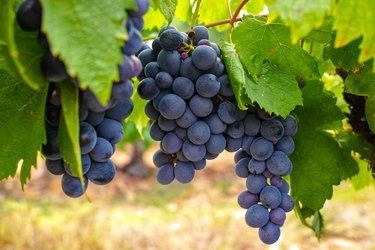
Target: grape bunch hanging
[195,117]
[263,160]
[190,102]
[100,126]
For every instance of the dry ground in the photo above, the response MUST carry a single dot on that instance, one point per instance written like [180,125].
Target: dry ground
[140,214]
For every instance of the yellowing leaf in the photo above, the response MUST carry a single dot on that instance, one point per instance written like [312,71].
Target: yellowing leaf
[355,18]
[301,15]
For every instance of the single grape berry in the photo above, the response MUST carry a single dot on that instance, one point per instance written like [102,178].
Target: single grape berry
[204,57]
[72,186]
[257,216]
[170,39]
[29,15]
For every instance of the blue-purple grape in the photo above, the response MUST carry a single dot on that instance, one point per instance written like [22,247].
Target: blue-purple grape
[207,85]
[102,151]
[204,57]
[270,197]
[255,183]
[29,15]
[165,174]
[199,133]
[216,144]
[246,199]
[55,167]
[257,216]
[87,137]
[279,164]
[184,172]
[269,233]
[110,130]
[101,173]
[72,186]
[172,106]
[261,149]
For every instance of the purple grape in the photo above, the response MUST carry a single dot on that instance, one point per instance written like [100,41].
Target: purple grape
[247,199]
[184,172]
[165,174]
[101,173]
[256,216]
[102,151]
[277,216]
[72,186]
[269,233]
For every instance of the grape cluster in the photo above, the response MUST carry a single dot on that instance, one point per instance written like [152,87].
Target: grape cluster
[190,102]
[100,125]
[263,160]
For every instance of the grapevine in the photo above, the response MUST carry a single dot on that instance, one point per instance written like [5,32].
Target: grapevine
[287,88]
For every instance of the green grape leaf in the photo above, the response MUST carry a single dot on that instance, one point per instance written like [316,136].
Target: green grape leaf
[21,126]
[130,5]
[370,112]
[317,160]
[154,19]
[353,20]
[301,15]
[354,142]
[131,134]
[20,52]
[303,213]
[210,11]
[335,84]
[307,212]
[271,42]
[68,134]
[348,166]
[184,10]
[362,82]
[138,116]
[6,63]
[236,73]
[88,36]
[324,33]
[275,91]
[253,6]
[318,116]
[345,57]
[318,224]
[167,8]
[364,178]
[316,153]
[349,142]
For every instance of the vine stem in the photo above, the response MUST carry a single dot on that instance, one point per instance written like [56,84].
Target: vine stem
[196,13]
[238,19]
[237,12]
[149,38]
